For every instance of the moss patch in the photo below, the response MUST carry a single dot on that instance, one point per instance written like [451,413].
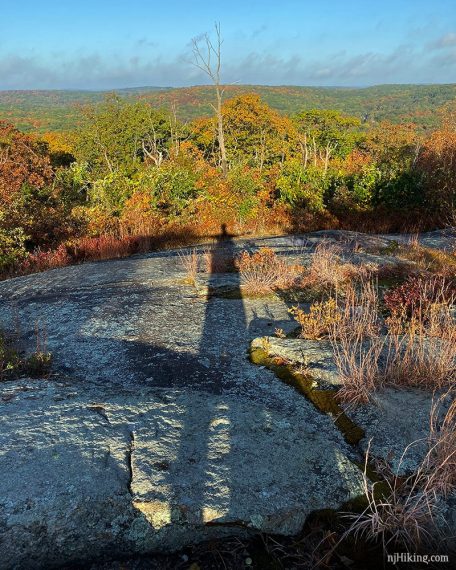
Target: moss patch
[324,400]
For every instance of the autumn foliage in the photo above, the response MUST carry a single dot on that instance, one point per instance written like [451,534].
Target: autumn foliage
[134,172]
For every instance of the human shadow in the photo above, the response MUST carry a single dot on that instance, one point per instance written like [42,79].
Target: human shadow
[189,449]
[216,347]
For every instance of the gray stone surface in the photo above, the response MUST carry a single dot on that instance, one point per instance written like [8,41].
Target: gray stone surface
[86,473]
[397,420]
[154,430]
[315,356]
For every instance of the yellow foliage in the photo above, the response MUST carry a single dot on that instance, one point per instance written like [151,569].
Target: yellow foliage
[318,322]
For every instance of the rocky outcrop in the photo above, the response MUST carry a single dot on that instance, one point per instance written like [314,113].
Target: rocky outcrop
[155,430]
[395,419]
[84,474]
[315,357]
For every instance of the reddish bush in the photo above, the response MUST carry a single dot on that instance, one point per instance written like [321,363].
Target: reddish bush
[417,293]
[102,247]
[42,260]
[404,298]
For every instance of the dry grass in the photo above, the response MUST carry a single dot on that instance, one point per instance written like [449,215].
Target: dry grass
[189,261]
[400,515]
[327,268]
[442,454]
[418,352]
[263,272]
[428,259]
[402,511]
[410,360]
[354,341]
[357,362]
[416,359]
[421,344]
[330,274]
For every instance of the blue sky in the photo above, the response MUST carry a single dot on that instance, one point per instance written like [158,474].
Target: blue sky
[103,44]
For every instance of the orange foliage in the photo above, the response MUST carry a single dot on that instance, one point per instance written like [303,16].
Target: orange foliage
[437,160]
[22,160]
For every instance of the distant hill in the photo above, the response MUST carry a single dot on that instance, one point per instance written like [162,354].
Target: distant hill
[58,110]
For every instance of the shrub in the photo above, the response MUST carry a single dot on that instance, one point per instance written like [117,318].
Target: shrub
[302,187]
[42,260]
[245,185]
[172,188]
[12,249]
[403,299]
[37,364]
[103,247]
[420,298]
[263,272]
[13,364]
[318,322]
[9,358]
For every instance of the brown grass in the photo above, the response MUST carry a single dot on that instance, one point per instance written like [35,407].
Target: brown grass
[402,511]
[263,272]
[416,359]
[419,352]
[442,453]
[428,259]
[353,338]
[327,269]
[357,361]
[421,349]
[189,261]
[402,514]
[330,274]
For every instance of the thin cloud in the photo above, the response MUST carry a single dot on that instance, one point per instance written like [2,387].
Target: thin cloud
[445,41]
[92,71]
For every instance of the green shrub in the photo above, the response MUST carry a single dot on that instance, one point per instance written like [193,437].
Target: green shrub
[12,246]
[302,187]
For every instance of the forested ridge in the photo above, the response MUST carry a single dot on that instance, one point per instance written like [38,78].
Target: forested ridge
[58,109]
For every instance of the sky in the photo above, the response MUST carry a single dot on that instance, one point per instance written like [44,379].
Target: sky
[111,44]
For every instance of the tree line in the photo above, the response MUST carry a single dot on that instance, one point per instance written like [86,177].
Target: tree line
[134,169]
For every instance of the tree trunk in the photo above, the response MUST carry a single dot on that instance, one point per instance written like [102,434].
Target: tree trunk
[221,134]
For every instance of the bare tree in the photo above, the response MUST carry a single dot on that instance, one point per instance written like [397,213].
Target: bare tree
[208,58]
